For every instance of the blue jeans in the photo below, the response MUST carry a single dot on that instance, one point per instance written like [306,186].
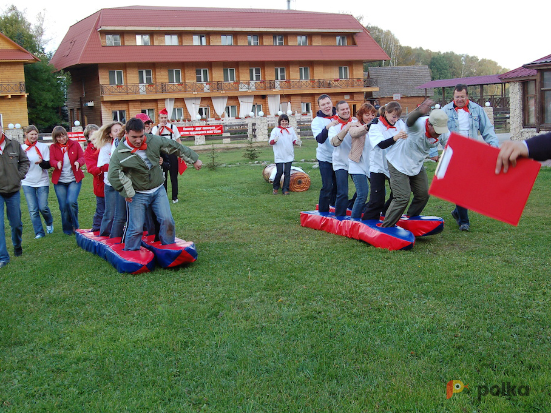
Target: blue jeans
[98,215]
[13,208]
[341,203]
[463,214]
[37,202]
[362,189]
[114,217]
[283,168]
[328,192]
[67,197]
[136,217]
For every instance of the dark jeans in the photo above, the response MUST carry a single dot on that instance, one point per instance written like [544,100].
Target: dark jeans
[285,170]
[173,173]
[341,203]
[463,214]
[98,215]
[328,192]
[377,205]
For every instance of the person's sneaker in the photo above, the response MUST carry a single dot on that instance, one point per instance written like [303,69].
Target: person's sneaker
[274,192]
[285,193]
[455,216]
[175,201]
[39,236]
[464,227]
[3,263]
[18,252]
[50,229]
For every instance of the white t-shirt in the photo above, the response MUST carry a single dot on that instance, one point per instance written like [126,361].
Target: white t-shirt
[37,177]
[378,133]
[67,174]
[165,132]
[324,151]
[104,157]
[283,149]
[362,167]
[340,153]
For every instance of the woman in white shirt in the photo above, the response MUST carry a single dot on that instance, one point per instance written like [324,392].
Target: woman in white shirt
[36,185]
[114,217]
[283,138]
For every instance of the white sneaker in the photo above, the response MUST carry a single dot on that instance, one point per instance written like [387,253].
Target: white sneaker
[39,236]
[50,229]
[174,201]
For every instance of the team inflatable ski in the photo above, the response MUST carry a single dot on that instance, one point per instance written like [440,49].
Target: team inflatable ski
[171,255]
[370,231]
[419,225]
[112,250]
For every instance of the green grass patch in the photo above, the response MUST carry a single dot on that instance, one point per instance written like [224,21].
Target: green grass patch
[273,317]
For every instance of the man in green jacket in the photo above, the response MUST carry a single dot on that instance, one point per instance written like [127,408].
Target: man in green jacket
[14,165]
[134,171]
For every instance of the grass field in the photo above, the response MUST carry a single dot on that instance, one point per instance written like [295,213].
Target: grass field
[273,317]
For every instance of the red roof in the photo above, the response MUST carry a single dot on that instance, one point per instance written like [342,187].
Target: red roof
[17,53]
[468,81]
[81,45]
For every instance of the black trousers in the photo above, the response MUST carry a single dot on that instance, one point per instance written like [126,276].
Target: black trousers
[377,205]
[173,173]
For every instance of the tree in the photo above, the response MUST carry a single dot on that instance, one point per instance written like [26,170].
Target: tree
[45,87]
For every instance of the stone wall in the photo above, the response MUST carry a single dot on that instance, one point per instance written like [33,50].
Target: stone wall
[518,132]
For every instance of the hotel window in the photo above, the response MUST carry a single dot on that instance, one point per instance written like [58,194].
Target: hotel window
[174,76]
[116,77]
[204,112]
[177,113]
[145,77]
[343,72]
[256,108]
[227,40]
[171,39]
[529,103]
[119,116]
[229,75]
[231,111]
[150,113]
[143,40]
[278,40]
[252,39]
[254,73]
[199,40]
[279,73]
[304,73]
[546,96]
[113,39]
[201,75]
[302,40]
[306,107]
[341,40]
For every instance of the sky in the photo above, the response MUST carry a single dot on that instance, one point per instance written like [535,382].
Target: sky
[485,29]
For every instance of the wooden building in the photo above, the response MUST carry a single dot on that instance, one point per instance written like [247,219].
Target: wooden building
[530,98]
[13,95]
[212,62]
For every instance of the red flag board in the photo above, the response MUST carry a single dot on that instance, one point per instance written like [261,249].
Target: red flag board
[77,136]
[201,130]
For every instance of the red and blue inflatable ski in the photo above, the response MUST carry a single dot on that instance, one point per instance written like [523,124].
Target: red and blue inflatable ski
[170,255]
[111,249]
[419,225]
[370,231]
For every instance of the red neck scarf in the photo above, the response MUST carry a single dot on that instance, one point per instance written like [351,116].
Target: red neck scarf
[162,128]
[141,148]
[465,108]
[2,139]
[427,133]
[284,129]
[384,121]
[63,147]
[342,122]
[32,145]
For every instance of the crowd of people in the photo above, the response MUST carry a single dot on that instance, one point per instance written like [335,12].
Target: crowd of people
[128,181]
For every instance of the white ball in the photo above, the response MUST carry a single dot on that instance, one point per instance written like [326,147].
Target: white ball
[251,114]
[437,106]
[10,126]
[289,112]
[77,123]
[17,126]
[198,117]
[487,104]
[279,113]
[261,113]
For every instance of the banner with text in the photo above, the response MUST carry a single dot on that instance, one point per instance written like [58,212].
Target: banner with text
[201,130]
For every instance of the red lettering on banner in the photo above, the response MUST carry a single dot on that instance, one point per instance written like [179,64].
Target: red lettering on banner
[77,136]
[201,130]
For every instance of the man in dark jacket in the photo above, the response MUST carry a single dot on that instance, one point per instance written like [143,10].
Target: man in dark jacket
[14,165]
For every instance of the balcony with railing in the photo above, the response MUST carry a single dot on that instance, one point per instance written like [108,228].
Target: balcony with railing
[14,88]
[246,86]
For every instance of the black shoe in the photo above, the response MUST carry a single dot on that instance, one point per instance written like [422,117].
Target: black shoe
[18,252]
[464,227]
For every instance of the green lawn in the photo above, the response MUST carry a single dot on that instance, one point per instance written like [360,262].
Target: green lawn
[273,317]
